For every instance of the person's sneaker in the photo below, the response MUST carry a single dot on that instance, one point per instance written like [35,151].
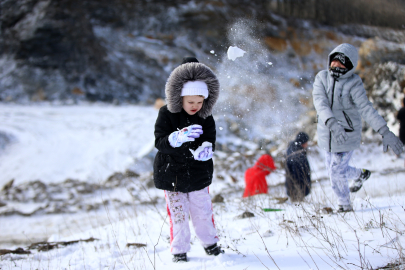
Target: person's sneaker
[345,208]
[358,183]
[180,257]
[214,250]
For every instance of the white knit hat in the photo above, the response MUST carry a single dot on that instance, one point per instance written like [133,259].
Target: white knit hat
[195,88]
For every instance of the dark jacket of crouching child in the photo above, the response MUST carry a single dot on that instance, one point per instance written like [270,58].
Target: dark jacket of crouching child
[298,171]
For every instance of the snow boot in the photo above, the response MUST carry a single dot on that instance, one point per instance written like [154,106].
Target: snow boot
[345,208]
[182,257]
[358,183]
[214,250]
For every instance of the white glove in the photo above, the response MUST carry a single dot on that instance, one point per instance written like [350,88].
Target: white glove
[203,152]
[187,134]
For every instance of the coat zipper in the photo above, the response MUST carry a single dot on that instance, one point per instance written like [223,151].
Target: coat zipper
[349,122]
[330,132]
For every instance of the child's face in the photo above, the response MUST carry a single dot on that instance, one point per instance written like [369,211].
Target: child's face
[336,63]
[192,104]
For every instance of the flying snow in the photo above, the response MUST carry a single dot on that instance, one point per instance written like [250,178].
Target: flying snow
[234,52]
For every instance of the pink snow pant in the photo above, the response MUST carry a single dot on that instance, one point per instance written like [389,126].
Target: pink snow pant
[198,205]
[340,172]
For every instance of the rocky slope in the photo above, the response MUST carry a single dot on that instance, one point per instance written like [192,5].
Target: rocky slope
[73,50]
[101,51]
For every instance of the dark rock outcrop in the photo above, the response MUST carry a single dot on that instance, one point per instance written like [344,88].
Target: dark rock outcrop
[99,50]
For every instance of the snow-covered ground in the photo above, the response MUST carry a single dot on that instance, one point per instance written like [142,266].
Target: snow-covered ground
[88,142]
[91,142]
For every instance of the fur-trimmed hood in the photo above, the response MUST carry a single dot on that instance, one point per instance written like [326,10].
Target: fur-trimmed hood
[191,72]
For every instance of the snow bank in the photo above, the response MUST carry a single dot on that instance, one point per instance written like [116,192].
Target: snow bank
[88,143]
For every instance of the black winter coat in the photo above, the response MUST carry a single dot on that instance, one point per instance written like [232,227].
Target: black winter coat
[298,172]
[401,118]
[175,168]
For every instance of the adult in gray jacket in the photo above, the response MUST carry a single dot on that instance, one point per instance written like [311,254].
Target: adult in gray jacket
[340,101]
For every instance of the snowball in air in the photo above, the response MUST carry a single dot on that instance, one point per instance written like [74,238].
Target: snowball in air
[270,63]
[212,51]
[235,52]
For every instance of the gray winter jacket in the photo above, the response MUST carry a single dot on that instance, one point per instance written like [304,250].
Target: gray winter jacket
[345,99]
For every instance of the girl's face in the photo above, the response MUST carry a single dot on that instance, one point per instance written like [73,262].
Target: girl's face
[336,63]
[192,104]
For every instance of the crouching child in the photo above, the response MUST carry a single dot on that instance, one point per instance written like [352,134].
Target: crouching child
[185,138]
[297,169]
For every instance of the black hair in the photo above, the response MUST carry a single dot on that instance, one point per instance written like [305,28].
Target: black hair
[302,138]
[189,59]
